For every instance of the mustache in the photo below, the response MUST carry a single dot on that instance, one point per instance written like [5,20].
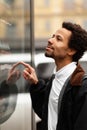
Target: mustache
[49,46]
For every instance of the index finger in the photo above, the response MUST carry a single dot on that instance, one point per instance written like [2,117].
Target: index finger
[26,65]
[15,65]
[23,63]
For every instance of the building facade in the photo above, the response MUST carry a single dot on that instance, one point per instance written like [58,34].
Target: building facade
[48,16]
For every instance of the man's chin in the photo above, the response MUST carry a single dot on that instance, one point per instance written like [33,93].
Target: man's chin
[48,55]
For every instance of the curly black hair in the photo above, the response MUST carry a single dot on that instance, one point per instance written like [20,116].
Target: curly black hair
[78,39]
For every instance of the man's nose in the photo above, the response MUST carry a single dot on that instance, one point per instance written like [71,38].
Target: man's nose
[50,40]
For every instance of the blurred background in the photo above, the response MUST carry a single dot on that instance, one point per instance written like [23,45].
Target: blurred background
[16,20]
[25,26]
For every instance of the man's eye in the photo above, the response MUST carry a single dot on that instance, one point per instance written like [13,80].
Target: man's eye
[59,38]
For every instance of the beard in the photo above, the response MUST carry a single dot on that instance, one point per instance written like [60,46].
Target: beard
[48,55]
[55,57]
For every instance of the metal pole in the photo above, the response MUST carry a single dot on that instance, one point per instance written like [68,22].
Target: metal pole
[32,48]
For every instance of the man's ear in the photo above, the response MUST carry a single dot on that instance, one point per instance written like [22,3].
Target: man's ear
[71,52]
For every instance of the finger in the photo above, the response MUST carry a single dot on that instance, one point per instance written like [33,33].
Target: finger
[25,76]
[26,72]
[14,76]
[14,66]
[15,73]
[18,74]
[26,65]
[23,63]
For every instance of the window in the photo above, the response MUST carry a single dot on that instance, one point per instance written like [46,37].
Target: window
[10,2]
[69,4]
[46,2]
[47,25]
[85,4]
[27,4]
[85,24]
[27,30]
[11,31]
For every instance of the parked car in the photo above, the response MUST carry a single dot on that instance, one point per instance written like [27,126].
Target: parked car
[83,62]
[16,110]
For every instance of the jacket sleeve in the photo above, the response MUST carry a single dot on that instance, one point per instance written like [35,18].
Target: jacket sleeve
[6,90]
[81,121]
[37,93]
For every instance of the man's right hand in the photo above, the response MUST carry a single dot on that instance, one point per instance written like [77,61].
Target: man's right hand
[29,74]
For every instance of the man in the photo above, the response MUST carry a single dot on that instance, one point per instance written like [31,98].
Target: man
[62,102]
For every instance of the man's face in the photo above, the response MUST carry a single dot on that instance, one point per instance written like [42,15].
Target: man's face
[57,47]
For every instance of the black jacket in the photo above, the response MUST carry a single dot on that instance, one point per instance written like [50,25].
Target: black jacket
[73,109]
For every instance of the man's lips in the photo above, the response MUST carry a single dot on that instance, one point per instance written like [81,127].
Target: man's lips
[49,48]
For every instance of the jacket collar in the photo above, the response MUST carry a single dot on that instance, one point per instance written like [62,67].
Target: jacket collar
[76,78]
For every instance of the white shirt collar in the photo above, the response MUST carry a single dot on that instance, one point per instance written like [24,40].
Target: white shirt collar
[66,70]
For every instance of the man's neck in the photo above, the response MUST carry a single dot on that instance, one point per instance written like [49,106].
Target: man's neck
[61,64]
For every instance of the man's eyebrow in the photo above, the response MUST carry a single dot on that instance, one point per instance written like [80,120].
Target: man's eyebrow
[60,36]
